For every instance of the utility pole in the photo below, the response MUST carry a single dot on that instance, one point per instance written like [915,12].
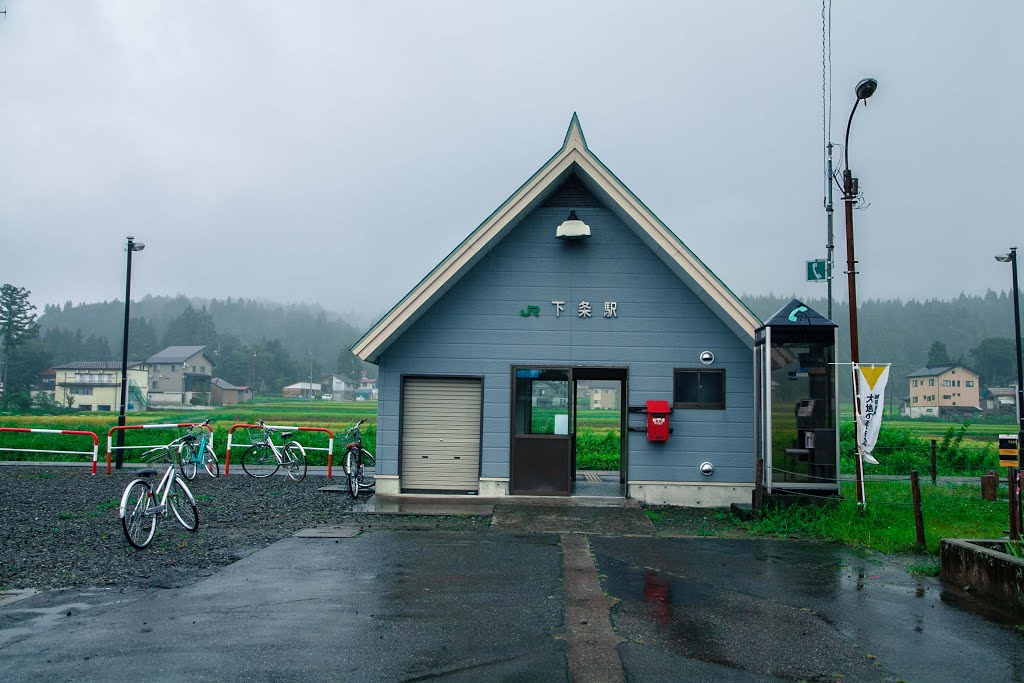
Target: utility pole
[830,246]
[1014,473]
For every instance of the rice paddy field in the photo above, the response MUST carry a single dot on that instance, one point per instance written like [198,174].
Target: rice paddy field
[337,416]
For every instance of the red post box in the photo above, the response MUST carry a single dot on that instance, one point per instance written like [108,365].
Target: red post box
[657,420]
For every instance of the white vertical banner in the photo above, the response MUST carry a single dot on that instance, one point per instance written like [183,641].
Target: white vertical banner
[870,381]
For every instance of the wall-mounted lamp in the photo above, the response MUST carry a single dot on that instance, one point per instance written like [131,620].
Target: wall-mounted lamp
[572,228]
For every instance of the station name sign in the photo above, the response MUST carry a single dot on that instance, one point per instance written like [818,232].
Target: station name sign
[583,310]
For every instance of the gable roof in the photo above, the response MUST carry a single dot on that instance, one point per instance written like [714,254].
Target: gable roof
[226,385]
[574,158]
[936,370]
[176,354]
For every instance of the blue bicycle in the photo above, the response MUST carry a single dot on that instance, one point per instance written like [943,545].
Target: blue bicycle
[196,451]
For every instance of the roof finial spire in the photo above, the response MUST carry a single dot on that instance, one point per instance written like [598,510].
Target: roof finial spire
[574,136]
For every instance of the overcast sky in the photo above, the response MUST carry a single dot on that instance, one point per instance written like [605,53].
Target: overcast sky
[336,151]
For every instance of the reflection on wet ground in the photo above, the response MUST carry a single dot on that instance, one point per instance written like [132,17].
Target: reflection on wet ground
[792,611]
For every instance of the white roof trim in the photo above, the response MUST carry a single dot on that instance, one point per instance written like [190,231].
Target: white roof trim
[574,151]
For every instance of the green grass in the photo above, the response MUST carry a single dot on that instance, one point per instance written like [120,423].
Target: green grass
[887,525]
[337,416]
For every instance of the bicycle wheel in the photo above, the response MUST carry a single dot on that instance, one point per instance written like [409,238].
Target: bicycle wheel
[139,527]
[295,460]
[187,459]
[352,472]
[183,505]
[211,463]
[259,461]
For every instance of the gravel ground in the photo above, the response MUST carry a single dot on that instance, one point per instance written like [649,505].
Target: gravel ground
[60,527]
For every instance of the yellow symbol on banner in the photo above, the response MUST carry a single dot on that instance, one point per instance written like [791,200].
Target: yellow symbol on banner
[871,374]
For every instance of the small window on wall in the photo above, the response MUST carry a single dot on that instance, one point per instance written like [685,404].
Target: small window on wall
[699,389]
[968,383]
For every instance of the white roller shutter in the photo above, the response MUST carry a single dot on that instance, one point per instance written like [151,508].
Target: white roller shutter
[441,435]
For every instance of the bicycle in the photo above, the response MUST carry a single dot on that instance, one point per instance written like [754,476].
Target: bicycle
[192,456]
[264,457]
[140,512]
[355,461]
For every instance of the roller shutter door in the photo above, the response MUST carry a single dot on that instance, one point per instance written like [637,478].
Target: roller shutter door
[441,435]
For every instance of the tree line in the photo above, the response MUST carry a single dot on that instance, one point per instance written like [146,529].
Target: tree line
[973,330]
[263,345]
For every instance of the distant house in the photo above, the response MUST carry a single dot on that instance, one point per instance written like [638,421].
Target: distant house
[224,393]
[367,388]
[46,379]
[999,400]
[943,390]
[302,389]
[180,375]
[96,385]
[340,388]
[603,398]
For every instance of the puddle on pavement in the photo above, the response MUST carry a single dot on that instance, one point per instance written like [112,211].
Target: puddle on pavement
[656,589]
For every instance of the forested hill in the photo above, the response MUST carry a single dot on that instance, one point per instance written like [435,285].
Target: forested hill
[289,335]
[976,330]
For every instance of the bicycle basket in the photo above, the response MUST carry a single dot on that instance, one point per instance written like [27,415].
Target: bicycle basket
[158,454]
[257,436]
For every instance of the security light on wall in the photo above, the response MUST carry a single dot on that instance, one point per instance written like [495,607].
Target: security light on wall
[572,228]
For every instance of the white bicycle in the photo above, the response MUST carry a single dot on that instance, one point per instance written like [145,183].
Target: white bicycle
[264,457]
[142,506]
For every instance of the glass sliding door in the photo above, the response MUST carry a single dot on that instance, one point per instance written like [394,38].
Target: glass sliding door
[541,443]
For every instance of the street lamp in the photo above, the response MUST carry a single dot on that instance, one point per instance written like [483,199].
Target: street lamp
[133,246]
[865,89]
[1015,519]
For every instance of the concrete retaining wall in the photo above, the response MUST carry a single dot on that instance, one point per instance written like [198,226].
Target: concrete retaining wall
[983,568]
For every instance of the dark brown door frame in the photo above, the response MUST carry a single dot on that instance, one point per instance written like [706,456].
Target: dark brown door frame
[574,372]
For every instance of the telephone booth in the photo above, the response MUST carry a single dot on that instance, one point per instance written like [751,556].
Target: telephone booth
[797,402]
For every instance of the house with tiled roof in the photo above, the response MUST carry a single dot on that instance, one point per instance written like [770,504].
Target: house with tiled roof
[943,390]
[180,375]
[96,385]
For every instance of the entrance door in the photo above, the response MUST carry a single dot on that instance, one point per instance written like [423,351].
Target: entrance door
[599,432]
[541,442]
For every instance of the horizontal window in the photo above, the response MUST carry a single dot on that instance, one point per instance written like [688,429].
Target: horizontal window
[699,389]
[947,383]
[968,383]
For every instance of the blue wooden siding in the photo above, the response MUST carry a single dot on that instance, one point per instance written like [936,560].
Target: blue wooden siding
[476,329]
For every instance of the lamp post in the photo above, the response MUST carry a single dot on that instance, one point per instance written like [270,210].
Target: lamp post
[133,246]
[1015,519]
[865,89]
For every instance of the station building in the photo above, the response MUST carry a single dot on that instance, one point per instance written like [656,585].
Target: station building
[571,296]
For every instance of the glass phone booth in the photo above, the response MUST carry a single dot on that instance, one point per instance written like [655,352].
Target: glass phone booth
[797,401]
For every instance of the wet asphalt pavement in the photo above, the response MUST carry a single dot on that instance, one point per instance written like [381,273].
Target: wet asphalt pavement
[490,606]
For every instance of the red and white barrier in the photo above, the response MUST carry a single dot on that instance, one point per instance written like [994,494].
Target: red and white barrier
[283,428]
[180,425]
[70,432]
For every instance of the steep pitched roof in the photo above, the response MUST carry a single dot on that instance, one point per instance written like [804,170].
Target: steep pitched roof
[176,354]
[574,158]
[796,314]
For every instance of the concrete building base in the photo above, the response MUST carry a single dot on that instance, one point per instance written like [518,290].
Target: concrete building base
[387,485]
[690,494]
[493,487]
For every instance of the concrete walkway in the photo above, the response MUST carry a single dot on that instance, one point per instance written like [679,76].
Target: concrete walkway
[514,604]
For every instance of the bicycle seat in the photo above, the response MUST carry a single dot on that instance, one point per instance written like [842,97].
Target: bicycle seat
[191,437]
[146,473]
[285,435]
